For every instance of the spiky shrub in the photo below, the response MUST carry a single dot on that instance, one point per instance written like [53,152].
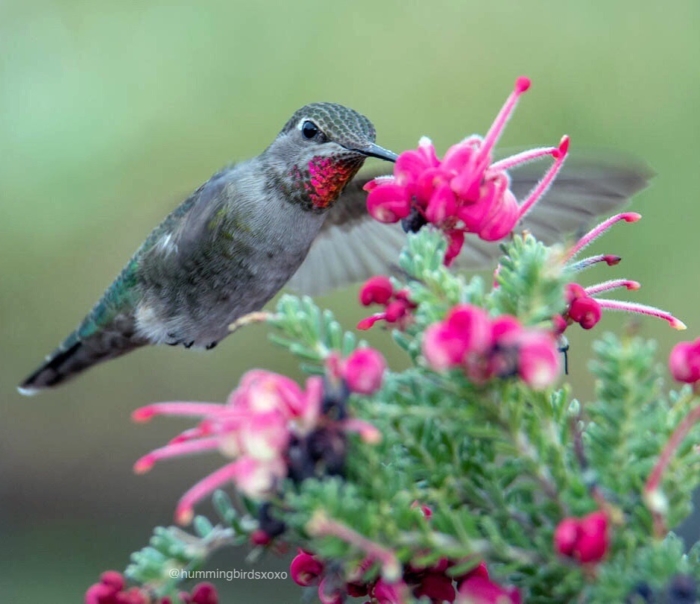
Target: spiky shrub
[473,476]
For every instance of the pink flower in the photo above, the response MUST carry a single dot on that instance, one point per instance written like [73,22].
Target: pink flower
[254,428]
[389,203]
[583,304]
[306,569]
[566,536]
[465,192]
[586,539]
[484,348]
[465,330]
[204,593]
[376,290]
[481,590]
[112,590]
[538,359]
[363,371]
[398,307]
[684,362]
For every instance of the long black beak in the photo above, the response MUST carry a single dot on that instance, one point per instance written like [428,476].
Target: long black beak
[373,150]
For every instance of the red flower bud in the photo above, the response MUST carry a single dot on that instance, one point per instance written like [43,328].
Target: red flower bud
[204,593]
[593,538]
[377,290]
[566,536]
[305,569]
[585,311]
[113,579]
[585,539]
[684,362]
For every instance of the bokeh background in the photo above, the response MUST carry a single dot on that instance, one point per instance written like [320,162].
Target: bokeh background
[112,111]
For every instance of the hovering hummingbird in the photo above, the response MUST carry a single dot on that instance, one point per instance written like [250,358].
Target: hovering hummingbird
[295,215]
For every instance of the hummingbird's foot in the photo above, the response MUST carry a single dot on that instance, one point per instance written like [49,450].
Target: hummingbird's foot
[252,317]
[174,340]
[211,345]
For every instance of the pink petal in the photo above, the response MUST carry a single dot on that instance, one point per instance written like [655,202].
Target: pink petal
[443,347]
[442,205]
[388,203]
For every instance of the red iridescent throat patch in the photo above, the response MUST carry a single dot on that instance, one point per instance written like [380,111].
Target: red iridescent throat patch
[327,176]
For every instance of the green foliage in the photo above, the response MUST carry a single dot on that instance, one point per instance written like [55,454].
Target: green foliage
[498,463]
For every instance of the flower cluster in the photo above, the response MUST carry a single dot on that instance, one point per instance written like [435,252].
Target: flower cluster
[485,347]
[584,539]
[397,305]
[583,304]
[464,192]
[268,427]
[434,583]
[112,589]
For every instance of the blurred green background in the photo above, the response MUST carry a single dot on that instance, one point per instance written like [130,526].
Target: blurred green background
[111,112]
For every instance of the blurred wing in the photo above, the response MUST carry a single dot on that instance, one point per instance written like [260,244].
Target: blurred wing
[352,247]
[590,184]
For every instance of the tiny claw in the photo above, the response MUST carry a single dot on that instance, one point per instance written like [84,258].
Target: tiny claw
[522,84]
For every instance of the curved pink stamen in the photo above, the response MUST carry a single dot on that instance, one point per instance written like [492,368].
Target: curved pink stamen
[642,309]
[174,450]
[541,188]
[612,284]
[521,158]
[144,414]
[596,232]
[185,507]
[591,260]
[494,133]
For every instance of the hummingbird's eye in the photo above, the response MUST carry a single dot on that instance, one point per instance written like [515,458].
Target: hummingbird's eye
[309,130]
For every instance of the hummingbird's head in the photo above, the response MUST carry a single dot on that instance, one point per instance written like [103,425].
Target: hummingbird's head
[320,149]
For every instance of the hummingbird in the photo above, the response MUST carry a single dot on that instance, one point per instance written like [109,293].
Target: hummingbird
[294,215]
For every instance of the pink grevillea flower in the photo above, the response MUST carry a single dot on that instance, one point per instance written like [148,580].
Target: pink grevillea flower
[583,304]
[485,348]
[363,370]
[112,590]
[481,590]
[684,362]
[465,192]
[585,539]
[305,569]
[397,305]
[254,428]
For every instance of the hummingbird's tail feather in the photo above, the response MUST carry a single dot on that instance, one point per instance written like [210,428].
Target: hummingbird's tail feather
[76,354]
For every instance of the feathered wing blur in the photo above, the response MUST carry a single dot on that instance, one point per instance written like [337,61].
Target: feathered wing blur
[352,247]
